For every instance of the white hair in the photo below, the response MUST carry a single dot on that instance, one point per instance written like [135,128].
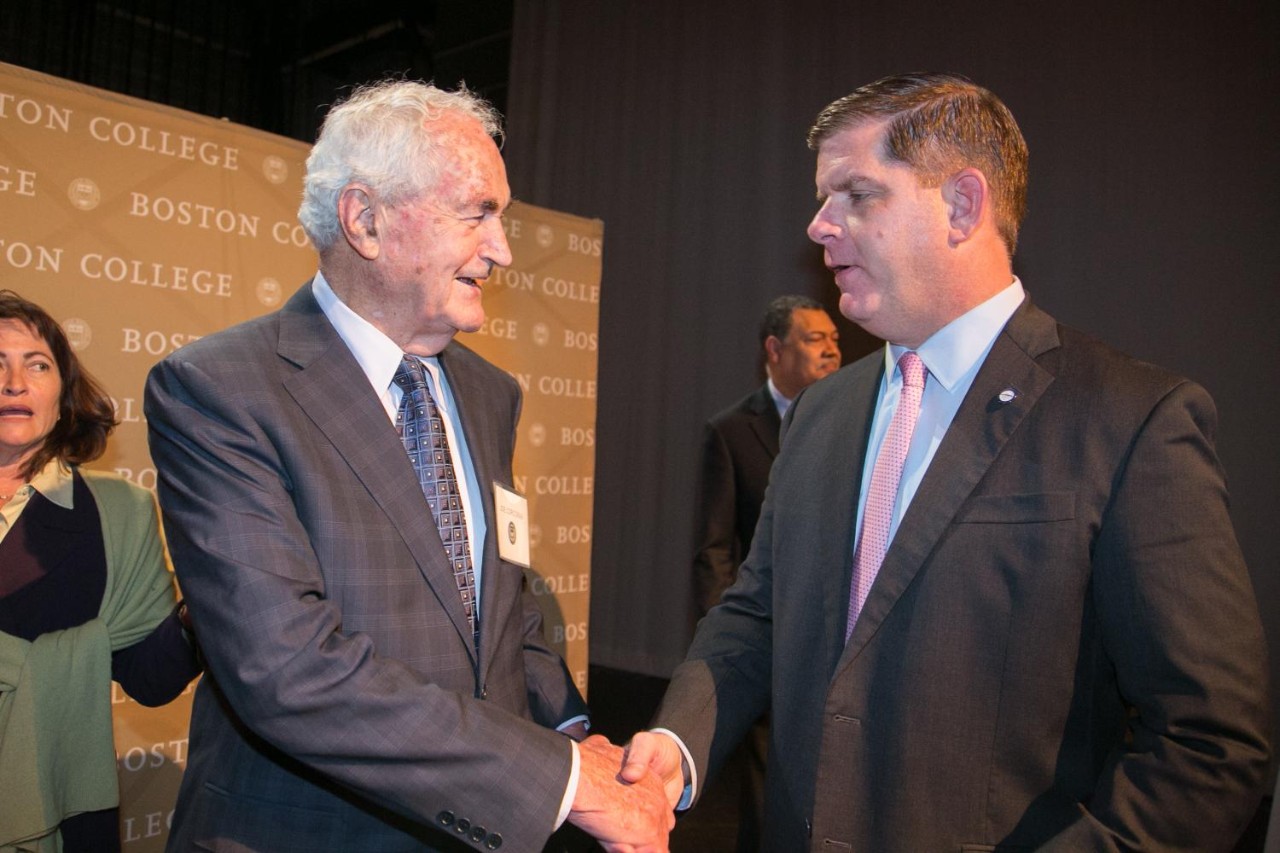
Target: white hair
[376,137]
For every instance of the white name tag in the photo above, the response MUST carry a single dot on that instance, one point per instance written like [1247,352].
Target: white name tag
[511,509]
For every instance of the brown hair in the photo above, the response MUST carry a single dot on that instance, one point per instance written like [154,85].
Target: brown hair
[938,124]
[85,414]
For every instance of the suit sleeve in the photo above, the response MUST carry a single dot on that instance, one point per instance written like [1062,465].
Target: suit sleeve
[716,557]
[554,699]
[1181,626]
[275,643]
[723,685]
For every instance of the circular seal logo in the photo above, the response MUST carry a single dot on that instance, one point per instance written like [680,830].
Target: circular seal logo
[545,236]
[511,532]
[269,292]
[275,169]
[535,535]
[79,335]
[541,334]
[84,194]
[537,435]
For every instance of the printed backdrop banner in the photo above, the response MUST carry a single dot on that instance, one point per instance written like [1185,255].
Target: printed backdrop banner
[142,228]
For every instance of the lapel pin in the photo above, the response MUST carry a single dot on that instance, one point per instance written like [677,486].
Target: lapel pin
[1008,395]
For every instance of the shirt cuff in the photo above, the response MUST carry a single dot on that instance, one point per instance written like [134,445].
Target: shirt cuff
[570,790]
[686,797]
[581,718]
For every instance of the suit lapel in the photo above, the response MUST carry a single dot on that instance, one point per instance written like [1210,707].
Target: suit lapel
[766,422]
[975,438]
[358,427]
[850,428]
[468,386]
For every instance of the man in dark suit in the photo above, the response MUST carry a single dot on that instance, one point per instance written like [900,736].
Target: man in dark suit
[377,675]
[800,345]
[994,600]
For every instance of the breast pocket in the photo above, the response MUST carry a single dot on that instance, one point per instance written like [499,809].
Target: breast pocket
[1018,509]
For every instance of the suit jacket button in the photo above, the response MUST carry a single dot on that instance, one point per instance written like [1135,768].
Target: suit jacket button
[484,693]
[493,842]
[462,826]
[445,818]
[478,833]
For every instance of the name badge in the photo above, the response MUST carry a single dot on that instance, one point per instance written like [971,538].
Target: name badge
[511,509]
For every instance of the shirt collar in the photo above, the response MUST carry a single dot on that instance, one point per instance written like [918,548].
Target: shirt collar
[55,483]
[377,355]
[951,352]
[780,402]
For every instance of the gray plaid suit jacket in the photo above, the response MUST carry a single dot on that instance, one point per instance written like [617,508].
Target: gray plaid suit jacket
[344,706]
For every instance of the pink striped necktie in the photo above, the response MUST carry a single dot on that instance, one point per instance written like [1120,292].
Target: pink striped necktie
[877,516]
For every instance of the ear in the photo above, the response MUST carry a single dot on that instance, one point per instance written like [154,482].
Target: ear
[968,199]
[356,217]
[772,350]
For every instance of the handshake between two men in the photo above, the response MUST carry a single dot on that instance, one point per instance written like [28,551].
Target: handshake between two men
[626,798]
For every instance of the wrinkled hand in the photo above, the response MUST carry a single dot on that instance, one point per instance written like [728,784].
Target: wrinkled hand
[623,816]
[657,753]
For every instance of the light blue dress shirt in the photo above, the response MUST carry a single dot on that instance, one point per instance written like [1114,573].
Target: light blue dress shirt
[953,356]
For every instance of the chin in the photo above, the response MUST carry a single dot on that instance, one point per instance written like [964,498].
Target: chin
[470,323]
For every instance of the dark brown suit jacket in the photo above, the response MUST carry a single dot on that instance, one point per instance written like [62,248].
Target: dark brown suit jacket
[1061,651]
[345,707]
[738,449]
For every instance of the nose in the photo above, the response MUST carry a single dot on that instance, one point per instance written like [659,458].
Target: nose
[821,227]
[14,382]
[497,250]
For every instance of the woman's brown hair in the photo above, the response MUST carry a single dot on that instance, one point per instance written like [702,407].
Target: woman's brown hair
[85,413]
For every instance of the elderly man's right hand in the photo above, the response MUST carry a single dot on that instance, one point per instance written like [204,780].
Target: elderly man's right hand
[625,817]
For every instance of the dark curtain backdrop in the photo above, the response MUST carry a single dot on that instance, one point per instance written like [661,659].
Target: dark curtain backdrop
[1153,136]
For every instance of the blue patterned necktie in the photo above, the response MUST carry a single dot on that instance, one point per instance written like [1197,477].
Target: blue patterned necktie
[422,432]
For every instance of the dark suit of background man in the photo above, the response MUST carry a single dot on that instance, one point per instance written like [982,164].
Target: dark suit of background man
[348,704]
[800,346]
[1061,648]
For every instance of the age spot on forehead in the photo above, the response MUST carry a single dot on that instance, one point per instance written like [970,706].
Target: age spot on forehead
[470,169]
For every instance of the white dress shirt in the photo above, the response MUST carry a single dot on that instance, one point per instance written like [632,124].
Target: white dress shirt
[780,402]
[379,357]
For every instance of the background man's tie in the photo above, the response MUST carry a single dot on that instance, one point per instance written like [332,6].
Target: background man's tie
[422,432]
[878,513]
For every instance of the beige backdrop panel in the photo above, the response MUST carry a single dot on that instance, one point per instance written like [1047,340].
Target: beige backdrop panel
[141,228]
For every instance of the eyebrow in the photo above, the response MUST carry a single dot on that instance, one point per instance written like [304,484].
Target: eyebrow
[847,184]
[491,205]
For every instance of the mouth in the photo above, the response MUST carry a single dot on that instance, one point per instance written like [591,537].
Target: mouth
[476,281]
[843,274]
[15,412]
